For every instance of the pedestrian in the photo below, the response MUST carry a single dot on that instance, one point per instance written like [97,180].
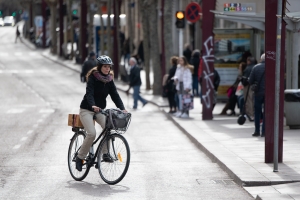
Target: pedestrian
[100,84]
[183,81]
[171,88]
[89,64]
[18,34]
[195,61]
[240,88]
[249,104]
[257,82]
[135,82]
[187,52]
[217,81]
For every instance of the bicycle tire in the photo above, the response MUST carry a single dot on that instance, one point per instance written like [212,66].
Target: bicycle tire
[74,146]
[118,148]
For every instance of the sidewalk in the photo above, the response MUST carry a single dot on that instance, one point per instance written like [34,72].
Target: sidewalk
[232,146]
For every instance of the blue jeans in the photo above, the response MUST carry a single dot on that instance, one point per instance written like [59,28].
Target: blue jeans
[258,114]
[195,86]
[241,102]
[137,96]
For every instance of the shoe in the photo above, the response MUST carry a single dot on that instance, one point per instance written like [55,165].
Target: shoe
[262,134]
[107,158]
[79,163]
[232,113]
[178,114]
[255,134]
[184,115]
[145,103]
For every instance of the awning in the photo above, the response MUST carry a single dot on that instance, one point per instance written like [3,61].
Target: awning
[255,20]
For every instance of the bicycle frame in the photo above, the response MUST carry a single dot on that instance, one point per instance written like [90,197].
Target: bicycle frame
[90,160]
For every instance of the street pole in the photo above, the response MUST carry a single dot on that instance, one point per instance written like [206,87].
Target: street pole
[180,42]
[61,27]
[277,85]
[44,22]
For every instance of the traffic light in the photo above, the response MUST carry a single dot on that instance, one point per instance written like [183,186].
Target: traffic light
[13,14]
[75,11]
[0,13]
[180,19]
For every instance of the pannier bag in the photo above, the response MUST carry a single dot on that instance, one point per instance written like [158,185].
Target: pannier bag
[117,120]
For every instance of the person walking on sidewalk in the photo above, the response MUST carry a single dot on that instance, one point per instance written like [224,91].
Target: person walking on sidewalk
[89,64]
[18,34]
[195,61]
[249,104]
[100,84]
[183,80]
[257,82]
[135,82]
[171,86]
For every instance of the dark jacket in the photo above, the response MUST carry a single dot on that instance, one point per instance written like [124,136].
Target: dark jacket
[248,70]
[170,81]
[195,61]
[217,80]
[258,75]
[135,76]
[96,93]
[187,54]
[87,66]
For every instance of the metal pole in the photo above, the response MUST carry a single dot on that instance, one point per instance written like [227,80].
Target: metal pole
[180,42]
[277,85]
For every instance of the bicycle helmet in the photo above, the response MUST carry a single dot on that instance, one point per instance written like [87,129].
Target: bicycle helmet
[104,60]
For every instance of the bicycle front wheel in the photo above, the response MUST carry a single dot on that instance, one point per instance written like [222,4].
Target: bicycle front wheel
[74,147]
[113,159]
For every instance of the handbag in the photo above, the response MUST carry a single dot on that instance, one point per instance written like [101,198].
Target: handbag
[187,101]
[239,89]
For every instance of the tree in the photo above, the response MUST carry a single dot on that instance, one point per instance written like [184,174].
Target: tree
[154,48]
[108,30]
[168,31]
[144,6]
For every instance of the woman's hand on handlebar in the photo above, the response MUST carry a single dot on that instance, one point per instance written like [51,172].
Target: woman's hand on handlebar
[124,111]
[96,109]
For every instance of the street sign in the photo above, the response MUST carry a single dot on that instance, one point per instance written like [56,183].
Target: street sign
[25,15]
[193,11]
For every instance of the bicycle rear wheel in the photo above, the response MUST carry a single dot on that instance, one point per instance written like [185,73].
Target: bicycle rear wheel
[74,147]
[113,159]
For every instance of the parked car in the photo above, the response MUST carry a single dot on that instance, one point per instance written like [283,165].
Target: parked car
[9,21]
[1,21]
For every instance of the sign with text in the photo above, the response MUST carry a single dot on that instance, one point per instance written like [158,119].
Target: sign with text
[240,7]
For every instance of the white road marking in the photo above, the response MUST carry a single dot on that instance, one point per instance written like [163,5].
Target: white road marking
[14,110]
[29,132]
[23,138]
[32,53]
[18,53]
[3,54]
[35,125]
[17,146]
[47,110]
[14,71]
[40,120]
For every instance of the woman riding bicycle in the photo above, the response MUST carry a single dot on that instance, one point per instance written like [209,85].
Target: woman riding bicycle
[99,84]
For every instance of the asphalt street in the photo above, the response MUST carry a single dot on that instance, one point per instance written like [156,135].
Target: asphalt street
[36,97]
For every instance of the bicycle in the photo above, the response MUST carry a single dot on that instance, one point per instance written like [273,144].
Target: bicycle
[112,156]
